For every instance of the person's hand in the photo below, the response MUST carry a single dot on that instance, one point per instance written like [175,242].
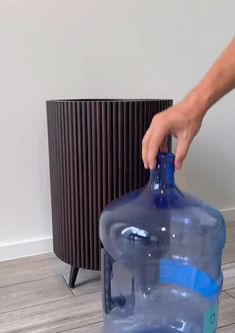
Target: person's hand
[183,121]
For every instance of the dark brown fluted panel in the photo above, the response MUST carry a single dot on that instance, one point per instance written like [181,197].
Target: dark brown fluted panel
[95,157]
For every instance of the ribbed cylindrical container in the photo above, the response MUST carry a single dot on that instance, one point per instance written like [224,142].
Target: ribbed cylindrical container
[95,157]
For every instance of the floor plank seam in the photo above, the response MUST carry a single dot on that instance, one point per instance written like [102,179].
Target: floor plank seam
[224,265]
[28,281]
[88,292]
[34,305]
[227,263]
[224,326]
[91,324]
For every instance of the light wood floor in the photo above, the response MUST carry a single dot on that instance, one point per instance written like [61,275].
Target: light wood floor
[34,296]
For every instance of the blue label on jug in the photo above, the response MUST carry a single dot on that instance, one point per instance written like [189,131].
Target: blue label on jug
[211,319]
[177,272]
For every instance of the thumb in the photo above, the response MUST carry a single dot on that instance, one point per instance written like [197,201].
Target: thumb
[182,148]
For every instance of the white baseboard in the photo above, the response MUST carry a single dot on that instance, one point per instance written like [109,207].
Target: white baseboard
[229,214]
[25,249]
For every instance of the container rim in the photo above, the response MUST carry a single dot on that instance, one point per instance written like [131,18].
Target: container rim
[112,100]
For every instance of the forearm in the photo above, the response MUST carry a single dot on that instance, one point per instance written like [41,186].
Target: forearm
[217,82]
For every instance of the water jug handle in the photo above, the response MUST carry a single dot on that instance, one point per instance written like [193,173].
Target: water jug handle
[109,302]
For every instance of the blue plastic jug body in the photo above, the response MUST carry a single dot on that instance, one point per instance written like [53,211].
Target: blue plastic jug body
[161,262]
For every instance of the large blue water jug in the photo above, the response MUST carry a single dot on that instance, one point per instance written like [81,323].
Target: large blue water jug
[161,266]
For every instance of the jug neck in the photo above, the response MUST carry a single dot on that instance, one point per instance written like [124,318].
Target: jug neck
[162,177]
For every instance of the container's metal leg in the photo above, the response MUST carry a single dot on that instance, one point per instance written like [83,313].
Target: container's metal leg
[73,276]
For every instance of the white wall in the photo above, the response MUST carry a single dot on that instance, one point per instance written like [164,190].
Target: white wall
[103,48]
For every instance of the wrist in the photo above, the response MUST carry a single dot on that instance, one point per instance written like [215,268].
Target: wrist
[200,99]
